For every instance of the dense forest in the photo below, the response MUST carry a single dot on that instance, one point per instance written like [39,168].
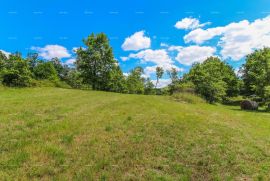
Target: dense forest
[96,68]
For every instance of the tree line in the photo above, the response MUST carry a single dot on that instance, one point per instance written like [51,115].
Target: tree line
[96,68]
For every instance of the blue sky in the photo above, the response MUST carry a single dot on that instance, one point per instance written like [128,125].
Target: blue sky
[55,27]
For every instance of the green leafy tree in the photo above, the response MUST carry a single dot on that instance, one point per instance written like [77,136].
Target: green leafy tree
[3,59]
[213,79]
[149,87]
[45,70]
[15,72]
[173,74]
[256,73]
[74,79]
[32,59]
[159,74]
[117,82]
[96,61]
[135,82]
[62,70]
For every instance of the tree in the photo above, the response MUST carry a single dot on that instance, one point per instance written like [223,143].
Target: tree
[159,74]
[62,70]
[32,59]
[213,79]
[96,61]
[173,74]
[3,59]
[74,79]
[117,82]
[45,70]
[149,87]
[256,73]
[15,72]
[135,82]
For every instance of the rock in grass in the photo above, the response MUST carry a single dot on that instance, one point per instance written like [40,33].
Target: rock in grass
[249,105]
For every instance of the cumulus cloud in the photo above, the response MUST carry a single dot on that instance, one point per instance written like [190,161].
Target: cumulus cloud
[236,39]
[162,82]
[149,70]
[5,53]
[70,61]
[124,58]
[194,54]
[52,51]
[200,36]
[137,41]
[189,24]
[159,56]
[164,45]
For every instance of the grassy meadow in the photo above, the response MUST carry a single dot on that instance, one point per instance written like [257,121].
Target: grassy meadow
[65,134]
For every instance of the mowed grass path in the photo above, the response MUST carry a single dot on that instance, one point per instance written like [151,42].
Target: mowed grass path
[63,134]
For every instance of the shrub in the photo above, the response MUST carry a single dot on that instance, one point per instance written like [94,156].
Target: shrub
[45,70]
[249,105]
[13,78]
[233,101]
[15,72]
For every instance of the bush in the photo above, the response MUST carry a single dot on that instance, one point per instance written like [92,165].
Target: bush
[268,107]
[249,105]
[233,101]
[15,72]
[45,70]
[188,98]
[14,79]
[61,84]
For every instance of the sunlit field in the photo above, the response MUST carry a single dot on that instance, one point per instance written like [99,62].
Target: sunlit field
[65,134]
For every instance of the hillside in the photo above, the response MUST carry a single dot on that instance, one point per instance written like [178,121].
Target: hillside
[82,135]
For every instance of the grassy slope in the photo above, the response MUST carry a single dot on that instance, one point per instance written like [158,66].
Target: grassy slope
[77,134]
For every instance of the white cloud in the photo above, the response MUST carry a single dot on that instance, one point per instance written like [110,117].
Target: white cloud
[124,58]
[162,82]
[5,53]
[175,48]
[199,35]
[137,41]
[52,51]
[164,45]
[192,54]
[236,39]
[70,61]
[150,70]
[125,74]
[159,57]
[189,24]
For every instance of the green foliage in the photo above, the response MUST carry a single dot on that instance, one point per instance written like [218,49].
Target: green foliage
[74,79]
[96,61]
[149,87]
[15,72]
[117,82]
[173,74]
[45,70]
[32,60]
[135,82]
[159,74]
[62,70]
[256,73]
[213,79]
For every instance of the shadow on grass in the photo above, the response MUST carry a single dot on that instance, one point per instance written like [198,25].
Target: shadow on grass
[251,111]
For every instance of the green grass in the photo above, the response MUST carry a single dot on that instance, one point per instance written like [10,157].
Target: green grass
[65,134]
